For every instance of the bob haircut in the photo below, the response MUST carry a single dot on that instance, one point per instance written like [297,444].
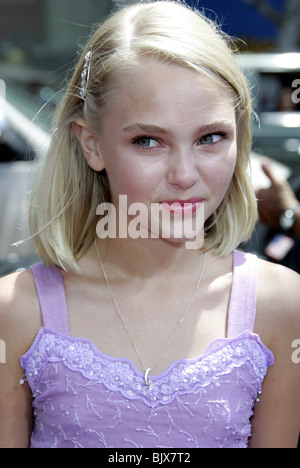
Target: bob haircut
[63,206]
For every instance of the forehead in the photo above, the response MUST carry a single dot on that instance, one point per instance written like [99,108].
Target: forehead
[164,92]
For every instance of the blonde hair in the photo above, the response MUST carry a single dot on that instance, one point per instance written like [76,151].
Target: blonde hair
[63,210]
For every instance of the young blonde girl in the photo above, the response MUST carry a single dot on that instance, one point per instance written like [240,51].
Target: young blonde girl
[140,342]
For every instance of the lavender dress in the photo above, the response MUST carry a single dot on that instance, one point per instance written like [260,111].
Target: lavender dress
[83,398]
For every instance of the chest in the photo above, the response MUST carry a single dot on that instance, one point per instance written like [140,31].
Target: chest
[152,320]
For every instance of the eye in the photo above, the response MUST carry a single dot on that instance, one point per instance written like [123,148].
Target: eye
[211,139]
[146,142]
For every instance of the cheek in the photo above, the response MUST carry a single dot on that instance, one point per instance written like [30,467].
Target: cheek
[128,179]
[219,173]
[135,177]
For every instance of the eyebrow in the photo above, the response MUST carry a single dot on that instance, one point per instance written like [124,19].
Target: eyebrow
[213,126]
[146,128]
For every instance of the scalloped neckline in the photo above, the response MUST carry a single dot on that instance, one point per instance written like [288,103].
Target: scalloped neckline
[212,346]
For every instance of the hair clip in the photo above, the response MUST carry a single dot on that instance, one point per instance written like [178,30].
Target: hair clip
[85,75]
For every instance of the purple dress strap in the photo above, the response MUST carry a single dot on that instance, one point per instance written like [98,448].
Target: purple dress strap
[49,284]
[242,308]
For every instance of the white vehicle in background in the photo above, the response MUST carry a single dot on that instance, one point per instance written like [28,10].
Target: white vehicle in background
[275,82]
[22,144]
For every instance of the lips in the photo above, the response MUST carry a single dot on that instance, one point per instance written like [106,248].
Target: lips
[189,206]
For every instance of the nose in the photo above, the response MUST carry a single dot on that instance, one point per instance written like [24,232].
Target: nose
[182,169]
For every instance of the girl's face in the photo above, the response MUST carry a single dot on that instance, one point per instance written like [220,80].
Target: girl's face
[169,135]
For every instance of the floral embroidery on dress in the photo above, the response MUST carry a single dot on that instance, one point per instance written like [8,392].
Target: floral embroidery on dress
[84,398]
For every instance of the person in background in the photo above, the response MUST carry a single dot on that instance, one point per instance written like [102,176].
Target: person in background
[278,205]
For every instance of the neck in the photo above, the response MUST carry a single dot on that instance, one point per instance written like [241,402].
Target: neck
[144,258]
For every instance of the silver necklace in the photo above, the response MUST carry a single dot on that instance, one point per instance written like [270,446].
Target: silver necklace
[147,370]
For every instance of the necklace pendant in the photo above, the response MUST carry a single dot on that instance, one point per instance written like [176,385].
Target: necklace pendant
[147,378]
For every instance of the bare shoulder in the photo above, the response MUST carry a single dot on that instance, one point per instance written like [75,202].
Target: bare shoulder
[20,321]
[279,294]
[270,272]
[20,316]
[276,417]
[278,314]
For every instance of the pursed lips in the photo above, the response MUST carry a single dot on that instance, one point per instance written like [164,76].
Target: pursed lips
[178,206]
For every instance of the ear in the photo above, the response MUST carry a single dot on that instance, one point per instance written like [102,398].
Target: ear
[90,145]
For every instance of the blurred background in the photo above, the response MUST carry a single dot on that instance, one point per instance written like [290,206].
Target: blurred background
[39,43]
